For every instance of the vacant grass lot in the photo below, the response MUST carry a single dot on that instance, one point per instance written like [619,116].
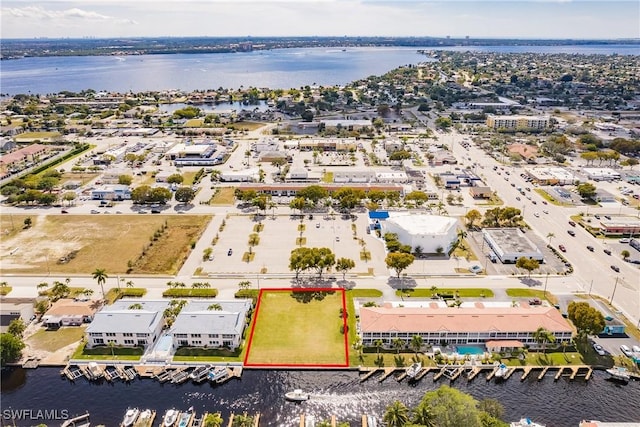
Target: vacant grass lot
[223,196]
[55,340]
[298,328]
[108,242]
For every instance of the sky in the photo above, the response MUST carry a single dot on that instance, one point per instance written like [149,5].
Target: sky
[578,19]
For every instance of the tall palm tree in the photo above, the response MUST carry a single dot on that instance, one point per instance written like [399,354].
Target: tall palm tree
[550,236]
[396,415]
[423,416]
[543,336]
[378,344]
[129,283]
[416,343]
[100,276]
[398,344]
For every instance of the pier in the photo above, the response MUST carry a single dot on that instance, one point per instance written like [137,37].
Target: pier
[387,373]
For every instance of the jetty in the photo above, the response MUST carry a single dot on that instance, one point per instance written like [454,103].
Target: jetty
[387,373]
[79,421]
[368,373]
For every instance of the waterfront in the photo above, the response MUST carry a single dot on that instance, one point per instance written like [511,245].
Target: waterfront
[340,393]
[276,69]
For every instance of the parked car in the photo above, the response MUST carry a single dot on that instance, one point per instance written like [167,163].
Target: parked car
[615,268]
[590,248]
[598,349]
[626,350]
[155,211]
[607,251]
[571,223]
[475,269]
[536,214]
[562,248]
[64,211]
[93,211]
[635,348]
[317,225]
[571,232]
[230,252]
[625,240]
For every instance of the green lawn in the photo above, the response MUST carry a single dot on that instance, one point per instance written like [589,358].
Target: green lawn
[55,340]
[462,293]
[531,293]
[298,328]
[364,293]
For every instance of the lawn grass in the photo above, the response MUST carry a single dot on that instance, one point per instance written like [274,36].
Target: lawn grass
[288,331]
[194,123]
[38,135]
[249,126]
[223,196]
[531,293]
[106,353]
[55,340]
[466,253]
[108,242]
[188,177]
[11,225]
[327,177]
[461,292]
[364,293]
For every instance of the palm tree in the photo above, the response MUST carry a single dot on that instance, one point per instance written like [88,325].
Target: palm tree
[136,306]
[111,345]
[87,292]
[398,344]
[213,420]
[416,343]
[396,415]
[215,307]
[100,276]
[423,416]
[129,283]
[243,420]
[378,344]
[550,236]
[543,336]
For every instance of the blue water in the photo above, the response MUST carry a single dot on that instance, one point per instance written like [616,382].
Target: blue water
[469,349]
[276,69]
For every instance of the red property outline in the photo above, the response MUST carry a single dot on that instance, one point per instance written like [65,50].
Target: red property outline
[289,365]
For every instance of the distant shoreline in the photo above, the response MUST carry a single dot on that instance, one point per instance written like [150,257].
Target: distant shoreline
[25,48]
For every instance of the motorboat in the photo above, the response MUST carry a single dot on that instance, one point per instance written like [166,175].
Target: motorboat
[619,373]
[218,375]
[502,371]
[525,422]
[130,417]
[185,418]
[170,417]
[414,369]
[296,395]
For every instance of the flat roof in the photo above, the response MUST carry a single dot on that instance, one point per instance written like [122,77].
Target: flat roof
[511,240]
[422,223]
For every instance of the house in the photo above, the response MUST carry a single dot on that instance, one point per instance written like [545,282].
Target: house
[527,152]
[471,323]
[203,324]
[127,323]
[15,308]
[70,312]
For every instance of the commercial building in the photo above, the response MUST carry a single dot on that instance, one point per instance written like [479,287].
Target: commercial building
[128,323]
[244,175]
[203,324]
[601,174]
[472,323]
[551,176]
[205,153]
[111,192]
[432,233]
[509,244]
[518,122]
[620,225]
[291,189]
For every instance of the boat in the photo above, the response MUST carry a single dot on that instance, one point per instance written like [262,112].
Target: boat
[200,373]
[296,395]
[619,373]
[414,369]
[218,375]
[79,421]
[170,417]
[130,417]
[525,422]
[94,371]
[502,371]
[185,418]
[145,419]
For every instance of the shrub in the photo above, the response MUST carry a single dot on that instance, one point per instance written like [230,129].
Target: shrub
[185,292]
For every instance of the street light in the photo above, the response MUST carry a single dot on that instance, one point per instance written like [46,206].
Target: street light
[615,285]
[545,285]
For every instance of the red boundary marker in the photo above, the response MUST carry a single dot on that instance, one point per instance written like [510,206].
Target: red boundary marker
[289,365]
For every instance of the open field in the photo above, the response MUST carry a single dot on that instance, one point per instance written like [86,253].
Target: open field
[108,242]
[223,196]
[55,340]
[287,331]
[38,135]
[12,225]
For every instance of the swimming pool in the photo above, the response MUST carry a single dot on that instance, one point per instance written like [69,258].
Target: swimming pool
[164,343]
[470,349]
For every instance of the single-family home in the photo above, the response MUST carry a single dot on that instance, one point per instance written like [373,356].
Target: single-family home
[70,312]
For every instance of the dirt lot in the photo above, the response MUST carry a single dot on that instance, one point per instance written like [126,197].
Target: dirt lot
[108,242]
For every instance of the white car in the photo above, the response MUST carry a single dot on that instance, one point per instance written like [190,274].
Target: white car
[635,348]
[476,269]
[626,350]
[536,214]
[598,349]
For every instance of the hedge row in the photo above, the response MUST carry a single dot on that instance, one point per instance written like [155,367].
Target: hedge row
[184,293]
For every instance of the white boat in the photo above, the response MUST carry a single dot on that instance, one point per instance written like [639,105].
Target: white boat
[414,369]
[525,422]
[619,373]
[130,417]
[185,418]
[502,371]
[218,375]
[170,417]
[297,395]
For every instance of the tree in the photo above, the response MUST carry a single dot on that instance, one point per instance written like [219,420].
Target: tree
[313,193]
[396,414]
[416,343]
[125,179]
[160,195]
[452,408]
[213,420]
[398,344]
[343,265]
[586,190]
[587,320]
[214,307]
[550,236]
[298,203]
[543,336]
[625,254]
[472,217]
[16,327]
[27,222]
[243,420]
[100,276]
[528,264]
[175,178]
[245,284]
[443,123]
[10,348]
[185,194]
[492,407]
[378,344]
[399,262]
[59,290]
[423,416]
[69,197]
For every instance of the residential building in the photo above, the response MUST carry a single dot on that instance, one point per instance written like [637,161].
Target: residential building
[127,323]
[471,323]
[70,312]
[212,324]
[23,157]
[15,308]
[517,122]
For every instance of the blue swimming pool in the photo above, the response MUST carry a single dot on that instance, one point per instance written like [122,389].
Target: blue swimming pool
[470,349]
[164,343]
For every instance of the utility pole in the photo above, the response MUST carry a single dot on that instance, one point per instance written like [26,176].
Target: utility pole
[590,287]
[545,285]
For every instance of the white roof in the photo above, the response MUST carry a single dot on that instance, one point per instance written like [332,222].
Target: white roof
[421,223]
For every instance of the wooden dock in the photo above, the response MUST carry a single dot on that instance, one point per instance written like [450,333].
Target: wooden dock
[145,422]
[368,373]
[422,373]
[387,373]
[542,374]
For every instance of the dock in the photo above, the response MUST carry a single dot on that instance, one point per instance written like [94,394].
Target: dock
[387,373]
[542,374]
[421,374]
[369,372]
[145,422]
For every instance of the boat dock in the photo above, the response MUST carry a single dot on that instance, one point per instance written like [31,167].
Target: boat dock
[453,372]
[79,421]
[145,422]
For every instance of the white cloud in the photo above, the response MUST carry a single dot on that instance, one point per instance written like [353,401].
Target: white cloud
[36,12]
